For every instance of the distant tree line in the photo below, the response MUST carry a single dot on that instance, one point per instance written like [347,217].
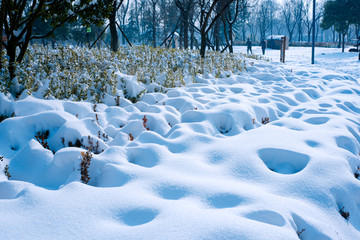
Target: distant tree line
[342,16]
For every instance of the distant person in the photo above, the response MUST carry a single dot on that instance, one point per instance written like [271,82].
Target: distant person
[248,44]
[263,46]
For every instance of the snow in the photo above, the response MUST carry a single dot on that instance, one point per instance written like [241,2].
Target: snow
[267,154]
[275,37]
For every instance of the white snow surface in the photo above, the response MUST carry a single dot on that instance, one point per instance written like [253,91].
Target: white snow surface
[207,168]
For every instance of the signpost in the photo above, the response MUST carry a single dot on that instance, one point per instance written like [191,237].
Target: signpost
[282,49]
[313,35]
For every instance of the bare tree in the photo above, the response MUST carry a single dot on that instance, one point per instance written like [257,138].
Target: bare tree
[243,18]
[185,7]
[154,20]
[122,17]
[251,25]
[279,26]
[240,6]
[192,19]
[273,9]
[207,9]
[263,18]
[299,16]
[136,11]
[216,29]
[113,32]
[289,17]
[307,18]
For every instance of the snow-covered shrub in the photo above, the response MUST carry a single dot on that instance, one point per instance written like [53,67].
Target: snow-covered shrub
[3,117]
[344,214]
[42,137]
[6,168]
[84,166]
[78,73]
[256,57]
[357,172]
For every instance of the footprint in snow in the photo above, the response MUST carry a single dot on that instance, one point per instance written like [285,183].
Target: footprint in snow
[112,176]
[347,144]
[224,200]
[145,157]
[268,217]
[317,120]
[283,161]
[172,192]
[312,143]
[139,216]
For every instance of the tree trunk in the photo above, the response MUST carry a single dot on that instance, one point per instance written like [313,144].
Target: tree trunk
[217,35]
[122,36]
[186,30]
[123,20]
[217,26]
[231,50]
[181,39]
[192,38]
[113,31]
[205,25]
[226,34]
[154,24]
[343,42]
[11,52]
[243,32]
[25,45]
[339,44]
[300,29]
[137,16]
[203,44]
[2,18]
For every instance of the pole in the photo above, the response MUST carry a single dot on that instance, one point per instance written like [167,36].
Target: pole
[97,39]
[282,49]
[313,35]
[122,32]
[358,46]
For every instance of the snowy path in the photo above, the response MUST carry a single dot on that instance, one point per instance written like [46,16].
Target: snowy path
[262,155]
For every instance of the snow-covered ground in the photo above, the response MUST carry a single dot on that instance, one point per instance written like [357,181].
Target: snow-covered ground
[325,58]
[268,154]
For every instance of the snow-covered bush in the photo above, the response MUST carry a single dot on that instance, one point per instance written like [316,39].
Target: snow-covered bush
[6,168]
[78,73]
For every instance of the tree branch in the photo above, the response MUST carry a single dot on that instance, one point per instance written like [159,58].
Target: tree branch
[53,29]
[218,15]
[100,35]
[124,34]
